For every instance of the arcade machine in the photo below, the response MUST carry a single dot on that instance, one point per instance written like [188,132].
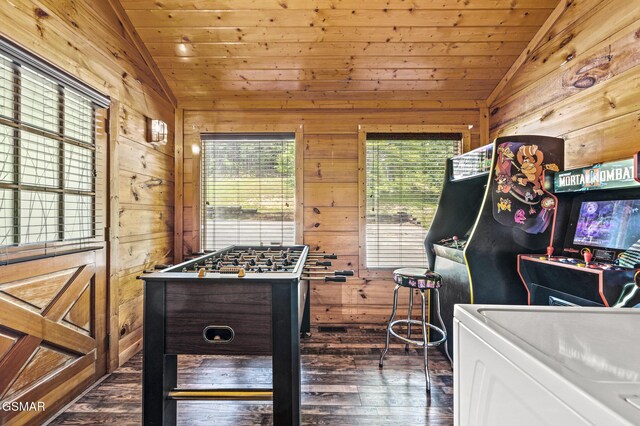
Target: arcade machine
[493,206]
[593,258]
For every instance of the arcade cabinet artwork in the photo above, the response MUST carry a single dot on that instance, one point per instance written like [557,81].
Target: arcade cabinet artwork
[477,232]
[596,236]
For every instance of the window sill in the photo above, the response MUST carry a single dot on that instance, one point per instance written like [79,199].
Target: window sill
[33,255]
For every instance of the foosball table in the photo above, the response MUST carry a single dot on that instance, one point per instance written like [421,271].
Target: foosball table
[241,300]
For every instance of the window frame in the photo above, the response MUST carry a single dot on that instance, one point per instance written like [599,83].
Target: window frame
[363,130]
[64,83]
[194,144]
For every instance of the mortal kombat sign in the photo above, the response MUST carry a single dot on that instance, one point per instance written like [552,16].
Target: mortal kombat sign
[614,175]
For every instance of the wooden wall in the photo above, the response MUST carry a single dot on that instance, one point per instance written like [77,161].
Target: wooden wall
[581,83]
[88,39]
[330,180]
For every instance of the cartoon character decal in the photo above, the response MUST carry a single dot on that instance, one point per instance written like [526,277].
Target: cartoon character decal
[504,205]
[518,185]
[530,159]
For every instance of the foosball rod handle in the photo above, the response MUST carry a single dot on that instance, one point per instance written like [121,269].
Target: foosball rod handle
[323,255]
[337,273]
[334,279]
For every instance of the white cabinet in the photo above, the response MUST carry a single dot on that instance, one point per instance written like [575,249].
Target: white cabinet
[546,366]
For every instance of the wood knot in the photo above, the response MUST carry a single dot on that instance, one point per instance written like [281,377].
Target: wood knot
[316,225]
[494,111]
[584,82]
[566,40]
[316,210]
[570,57]
[546,115]
[40,14]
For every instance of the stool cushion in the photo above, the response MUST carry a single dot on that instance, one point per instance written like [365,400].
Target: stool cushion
[417,278]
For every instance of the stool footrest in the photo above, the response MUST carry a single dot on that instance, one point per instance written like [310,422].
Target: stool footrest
[418,342]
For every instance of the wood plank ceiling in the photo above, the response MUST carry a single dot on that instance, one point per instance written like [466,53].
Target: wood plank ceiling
[336,49]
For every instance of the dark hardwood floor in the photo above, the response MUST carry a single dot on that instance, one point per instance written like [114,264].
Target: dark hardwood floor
[341,384]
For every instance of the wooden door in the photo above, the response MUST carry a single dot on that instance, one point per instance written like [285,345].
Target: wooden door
[52,333]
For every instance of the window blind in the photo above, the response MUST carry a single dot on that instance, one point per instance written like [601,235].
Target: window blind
[47,157]
[404,177]
[248,189]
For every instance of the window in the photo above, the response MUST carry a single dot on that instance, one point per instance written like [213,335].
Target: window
[248,189]
[47,153]
[404,173]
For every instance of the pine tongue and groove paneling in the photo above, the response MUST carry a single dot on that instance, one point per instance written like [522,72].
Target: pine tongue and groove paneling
[309,34]
[336,50]
[144,220]
[285,18]
[87,39]
[330,181]
[582,84]
[331,4]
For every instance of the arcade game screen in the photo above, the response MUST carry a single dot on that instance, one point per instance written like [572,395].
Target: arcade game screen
[611,224]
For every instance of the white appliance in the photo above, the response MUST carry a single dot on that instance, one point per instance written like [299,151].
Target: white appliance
[537,365]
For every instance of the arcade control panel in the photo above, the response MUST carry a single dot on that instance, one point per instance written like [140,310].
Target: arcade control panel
[598,266]
[453,242]
[569,281]
[450,248]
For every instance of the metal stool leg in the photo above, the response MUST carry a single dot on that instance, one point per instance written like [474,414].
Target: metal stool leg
[393,316]
[426,341]
[406,346]
[446,346]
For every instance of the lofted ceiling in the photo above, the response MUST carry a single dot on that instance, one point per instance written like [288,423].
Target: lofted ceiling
[336,49]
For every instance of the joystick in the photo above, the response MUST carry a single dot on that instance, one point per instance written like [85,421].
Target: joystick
[549,252]
[587,255]
[455,240]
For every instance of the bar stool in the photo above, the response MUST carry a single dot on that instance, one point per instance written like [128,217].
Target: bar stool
[422,280]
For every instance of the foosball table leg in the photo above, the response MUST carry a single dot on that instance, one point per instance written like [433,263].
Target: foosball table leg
[286,355]
[305,328]
[160,371]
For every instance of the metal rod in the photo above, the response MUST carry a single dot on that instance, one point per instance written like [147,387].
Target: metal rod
[222,394]
[326,279]
[336,273]
[425,338]
[391,318]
